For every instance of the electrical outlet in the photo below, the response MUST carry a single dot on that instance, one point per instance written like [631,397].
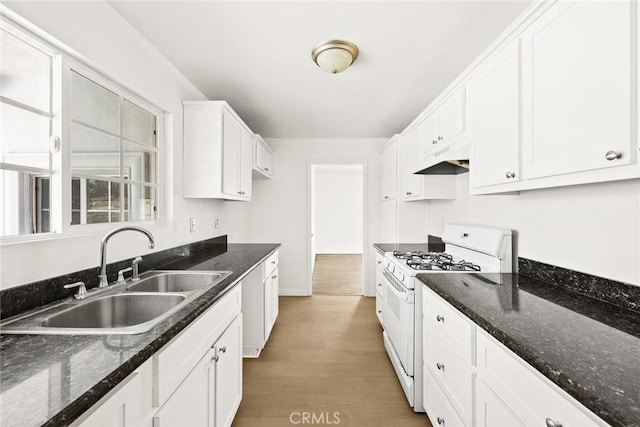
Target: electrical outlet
[192,224]
[217,223]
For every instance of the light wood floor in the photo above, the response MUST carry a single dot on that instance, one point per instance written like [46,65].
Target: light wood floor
[325,355]
[338,274]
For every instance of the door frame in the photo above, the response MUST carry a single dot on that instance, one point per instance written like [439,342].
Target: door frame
[365,219]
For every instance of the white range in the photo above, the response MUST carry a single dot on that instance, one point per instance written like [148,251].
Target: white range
[468,248]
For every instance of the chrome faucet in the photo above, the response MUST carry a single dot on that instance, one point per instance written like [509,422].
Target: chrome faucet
[103,250]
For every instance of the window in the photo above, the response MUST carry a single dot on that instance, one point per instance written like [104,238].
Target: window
[25,131]
[113,156]
[109,147]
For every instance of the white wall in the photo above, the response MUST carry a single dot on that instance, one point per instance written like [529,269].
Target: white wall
[105,40]
[337,211]
[280,206]
[593,228]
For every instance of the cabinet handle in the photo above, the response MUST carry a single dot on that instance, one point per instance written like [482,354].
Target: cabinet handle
[409,193]
[511,175]
[379,285]
[434,142]
[267,169]
[223,349]
[440,318]
[612,155]
[440,138]
[552,423]
[379,311]
[386,197]
[215,358]
[440,366]
[440,421]
[275,276]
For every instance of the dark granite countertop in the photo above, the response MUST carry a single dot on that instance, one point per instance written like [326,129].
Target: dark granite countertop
[589,348]
[53,379]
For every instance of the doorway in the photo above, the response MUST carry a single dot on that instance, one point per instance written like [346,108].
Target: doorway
[337,228]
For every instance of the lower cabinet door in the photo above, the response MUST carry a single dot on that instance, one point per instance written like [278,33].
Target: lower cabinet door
[122,409]
[191,405]
[228,374]
[491,411]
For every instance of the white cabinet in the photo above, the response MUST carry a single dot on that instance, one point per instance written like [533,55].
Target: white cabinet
[218,152]
[379,289]
[194,380]
[259,305]
[446,125]
[579,75]
[211,393]
[262,158]
[413,186]
[494,116]
[448,357]
[469,378]
[124,406]
[525,391]
[388,167]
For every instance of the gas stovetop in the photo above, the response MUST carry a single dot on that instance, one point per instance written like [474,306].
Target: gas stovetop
[435,261]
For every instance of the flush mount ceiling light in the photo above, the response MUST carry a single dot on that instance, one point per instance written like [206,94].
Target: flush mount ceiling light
[334,56]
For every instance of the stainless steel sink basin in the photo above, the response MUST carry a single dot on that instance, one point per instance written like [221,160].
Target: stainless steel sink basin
[131,308]
[115,311]
[178,281]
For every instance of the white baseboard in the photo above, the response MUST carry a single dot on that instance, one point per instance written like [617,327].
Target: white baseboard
[300,292]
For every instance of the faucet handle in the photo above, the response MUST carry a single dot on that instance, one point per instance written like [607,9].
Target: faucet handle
[82,290]
[121,275]
[137,260]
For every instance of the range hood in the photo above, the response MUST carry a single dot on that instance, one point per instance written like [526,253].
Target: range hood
[447,161]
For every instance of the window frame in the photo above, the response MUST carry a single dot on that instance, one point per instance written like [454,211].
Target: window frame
[64,62]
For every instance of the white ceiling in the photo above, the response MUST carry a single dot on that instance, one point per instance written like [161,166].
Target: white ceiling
[257,56]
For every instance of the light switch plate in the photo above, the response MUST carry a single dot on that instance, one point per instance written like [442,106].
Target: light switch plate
[192,224]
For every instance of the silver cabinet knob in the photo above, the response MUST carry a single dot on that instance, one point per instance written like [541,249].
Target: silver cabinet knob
[440,366]
[510,175]
[380,285]
[379,311]
[440,318]
[215,358]
[440,421]
[275,276]
[434,141]
[440,138]
[223,349]
[552,423]
[409,193]
[386,197]
[267,169]
[612,155]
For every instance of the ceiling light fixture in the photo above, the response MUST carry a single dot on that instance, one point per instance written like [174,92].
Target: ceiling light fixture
[334,56]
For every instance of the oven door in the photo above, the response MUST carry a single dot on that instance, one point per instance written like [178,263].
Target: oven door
[398,318]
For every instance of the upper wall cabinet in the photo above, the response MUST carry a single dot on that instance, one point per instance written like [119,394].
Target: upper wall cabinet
[262,158]
[558,105]
[578,101]
[445,126]
[218,152]
[494,117]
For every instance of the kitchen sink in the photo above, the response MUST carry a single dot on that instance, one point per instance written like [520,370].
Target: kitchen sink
[178,281]
[130,308]
[115,311]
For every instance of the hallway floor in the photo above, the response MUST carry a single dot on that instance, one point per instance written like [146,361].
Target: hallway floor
[338,274]
[325,357]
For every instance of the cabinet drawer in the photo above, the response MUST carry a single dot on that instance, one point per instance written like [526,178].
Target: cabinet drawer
[269,265]
[453,374]
[526,391]
[456,328]
[178,357]
[438,408]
